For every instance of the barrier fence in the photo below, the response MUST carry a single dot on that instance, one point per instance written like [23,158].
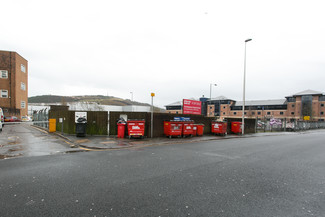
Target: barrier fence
[270,125]
[41,118]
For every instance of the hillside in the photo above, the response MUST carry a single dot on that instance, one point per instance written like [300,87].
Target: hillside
[100,99]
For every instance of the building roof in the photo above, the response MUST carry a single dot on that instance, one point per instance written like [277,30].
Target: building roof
[180,103]
[220,98]
[307,92]
[261,102]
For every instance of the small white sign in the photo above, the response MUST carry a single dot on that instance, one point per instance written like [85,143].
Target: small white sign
[80,115]
[60,120]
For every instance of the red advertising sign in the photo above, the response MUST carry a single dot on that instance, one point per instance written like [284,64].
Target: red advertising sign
[191,107]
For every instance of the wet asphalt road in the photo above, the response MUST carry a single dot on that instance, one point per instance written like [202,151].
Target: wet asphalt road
[258,176]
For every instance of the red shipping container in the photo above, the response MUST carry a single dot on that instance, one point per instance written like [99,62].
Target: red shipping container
[219,127]
[136,128]
[120,130]
[173,128]
[236,127]
[200,129]
[188,128]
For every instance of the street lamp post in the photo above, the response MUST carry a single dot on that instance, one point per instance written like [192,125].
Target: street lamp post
[210,96]
[151,130]
[211,89]
[243,115]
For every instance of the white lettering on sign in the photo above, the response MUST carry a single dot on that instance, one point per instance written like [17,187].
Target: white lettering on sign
[135,128]
[188,127]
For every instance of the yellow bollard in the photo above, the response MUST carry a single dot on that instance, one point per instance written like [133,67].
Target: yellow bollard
[52,125]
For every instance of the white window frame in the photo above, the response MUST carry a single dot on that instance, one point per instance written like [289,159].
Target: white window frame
[22,104]
[1,74]
[23,68]
[22,86]
[4,91]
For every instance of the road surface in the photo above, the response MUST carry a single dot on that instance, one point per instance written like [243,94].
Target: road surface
[280,175]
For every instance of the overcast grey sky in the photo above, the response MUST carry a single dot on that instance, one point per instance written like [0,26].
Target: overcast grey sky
[173,48]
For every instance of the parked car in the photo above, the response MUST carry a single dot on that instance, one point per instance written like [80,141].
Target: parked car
[26,118]
[2,118]
[12,119]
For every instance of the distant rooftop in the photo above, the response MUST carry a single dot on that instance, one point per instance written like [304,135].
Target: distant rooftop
[307,92]
[179,103]
[261,102]
[220,98]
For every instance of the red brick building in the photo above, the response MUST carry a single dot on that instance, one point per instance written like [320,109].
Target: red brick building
[13,84]
[305,105]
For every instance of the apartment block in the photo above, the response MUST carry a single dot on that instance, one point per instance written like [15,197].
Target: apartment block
[13,83]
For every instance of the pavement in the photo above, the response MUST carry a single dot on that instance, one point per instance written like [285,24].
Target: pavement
[25,139]
[112,142]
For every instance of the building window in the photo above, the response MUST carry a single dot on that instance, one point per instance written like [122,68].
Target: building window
[258,113]
[292,113]
[268,113]
[22,86]
[322,105]
[291,99]
[253,113]
[322,113]
[23,104]
[4,93]
[224,107]
[4,74]
[23,68]
[281,113]
[235,113]
[293,105]
[210,107]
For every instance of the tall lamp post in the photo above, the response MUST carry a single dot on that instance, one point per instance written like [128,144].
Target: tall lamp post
[210,96]
[151,130]
[243,116]
[211,89]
